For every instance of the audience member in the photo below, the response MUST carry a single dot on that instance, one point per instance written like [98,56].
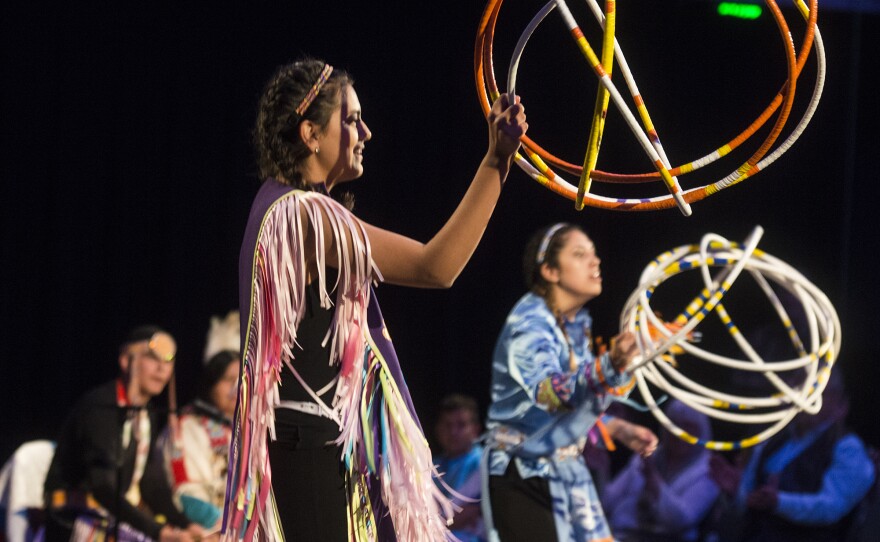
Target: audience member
[197,452]
[458,461]
[805,483]
[665,497]
[22,509]
[613,426]
[103,463]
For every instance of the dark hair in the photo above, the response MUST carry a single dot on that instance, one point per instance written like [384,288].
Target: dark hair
[280,150]
[140,333]
[531,268]
[214,370]
[457,401]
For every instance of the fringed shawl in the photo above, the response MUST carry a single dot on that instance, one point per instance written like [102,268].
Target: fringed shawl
[386,457]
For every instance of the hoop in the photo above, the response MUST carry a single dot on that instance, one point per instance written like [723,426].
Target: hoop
[655,339]
[538,162]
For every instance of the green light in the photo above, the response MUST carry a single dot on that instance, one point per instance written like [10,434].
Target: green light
[740,11]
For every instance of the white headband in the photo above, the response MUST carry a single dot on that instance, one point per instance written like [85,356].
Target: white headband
[545,242]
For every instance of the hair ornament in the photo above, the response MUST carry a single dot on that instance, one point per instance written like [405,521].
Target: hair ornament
[545,242]
[223,334]
[316,88]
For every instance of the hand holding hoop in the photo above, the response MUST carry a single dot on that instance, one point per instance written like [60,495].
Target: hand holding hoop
[816,354]
[539,163]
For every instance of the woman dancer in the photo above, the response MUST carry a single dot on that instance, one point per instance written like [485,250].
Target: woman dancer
[548,390]
[335,452]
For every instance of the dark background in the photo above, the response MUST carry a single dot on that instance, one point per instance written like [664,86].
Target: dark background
[127,172]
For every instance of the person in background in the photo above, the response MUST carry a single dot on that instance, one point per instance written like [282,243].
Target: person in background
[613,427]
[804,483]
[665,497]
[457,430]
[104,465]
[197,450]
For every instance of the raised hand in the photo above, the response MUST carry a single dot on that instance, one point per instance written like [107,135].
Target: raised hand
[507,123]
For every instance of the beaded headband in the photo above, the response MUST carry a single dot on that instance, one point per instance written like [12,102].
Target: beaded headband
[545,242]
[316,88]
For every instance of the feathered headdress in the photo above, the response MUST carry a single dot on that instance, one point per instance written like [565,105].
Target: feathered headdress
[223,334]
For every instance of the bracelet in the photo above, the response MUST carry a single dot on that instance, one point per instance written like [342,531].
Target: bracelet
[619,390]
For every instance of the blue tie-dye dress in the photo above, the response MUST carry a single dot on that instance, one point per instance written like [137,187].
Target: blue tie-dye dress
[541,410]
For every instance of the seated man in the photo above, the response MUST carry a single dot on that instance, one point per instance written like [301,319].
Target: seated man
[803,484]
[103,465]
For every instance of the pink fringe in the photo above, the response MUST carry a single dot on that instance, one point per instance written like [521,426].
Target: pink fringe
[277,306]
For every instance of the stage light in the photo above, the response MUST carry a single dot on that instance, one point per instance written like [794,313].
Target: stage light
[738,10]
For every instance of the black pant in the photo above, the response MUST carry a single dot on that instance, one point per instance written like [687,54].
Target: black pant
[308,483]
[522,510]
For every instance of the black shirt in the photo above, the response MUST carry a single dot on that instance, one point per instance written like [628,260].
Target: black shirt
[88,461]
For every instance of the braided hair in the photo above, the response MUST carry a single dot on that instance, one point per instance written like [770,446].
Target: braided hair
[279,148]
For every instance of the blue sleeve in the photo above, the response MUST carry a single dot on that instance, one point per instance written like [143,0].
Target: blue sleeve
[845,483]
[748,477]
[534,354]
[537,354]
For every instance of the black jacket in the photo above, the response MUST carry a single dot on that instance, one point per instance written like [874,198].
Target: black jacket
[88,461]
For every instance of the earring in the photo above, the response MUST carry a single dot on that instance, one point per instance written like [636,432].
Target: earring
[316,150]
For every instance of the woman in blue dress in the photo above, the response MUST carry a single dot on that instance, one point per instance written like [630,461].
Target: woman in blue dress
[548,390]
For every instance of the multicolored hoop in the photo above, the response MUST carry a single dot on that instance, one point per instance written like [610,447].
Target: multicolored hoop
[657,367]
[537,161]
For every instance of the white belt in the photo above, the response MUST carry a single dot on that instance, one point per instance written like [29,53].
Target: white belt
[508,439]
[306,407]
[318,408]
